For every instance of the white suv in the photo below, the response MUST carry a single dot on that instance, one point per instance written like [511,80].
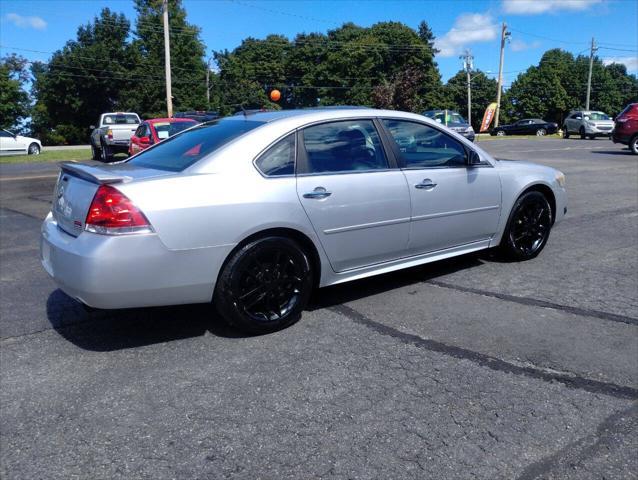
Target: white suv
[11,144]
[587,123]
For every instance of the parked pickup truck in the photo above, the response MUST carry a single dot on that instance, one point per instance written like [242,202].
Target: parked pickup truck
[112,134]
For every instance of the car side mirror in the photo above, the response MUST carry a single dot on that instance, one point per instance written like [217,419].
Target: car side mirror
[473,158]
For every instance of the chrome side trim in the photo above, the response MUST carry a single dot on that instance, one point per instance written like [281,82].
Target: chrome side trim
[382,223]
[454,212]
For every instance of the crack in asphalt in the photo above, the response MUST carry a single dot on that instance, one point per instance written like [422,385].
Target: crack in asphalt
[494,363]
[583,312]
[584,448]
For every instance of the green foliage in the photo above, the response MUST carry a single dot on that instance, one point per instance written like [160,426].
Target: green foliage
[82,80]
[14,100]
[387,64]
[559,84]
[188,69]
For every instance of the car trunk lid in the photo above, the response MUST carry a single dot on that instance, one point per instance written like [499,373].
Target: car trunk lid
[77,184]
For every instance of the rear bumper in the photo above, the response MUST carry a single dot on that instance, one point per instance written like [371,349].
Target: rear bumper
[619,137]
[128,271]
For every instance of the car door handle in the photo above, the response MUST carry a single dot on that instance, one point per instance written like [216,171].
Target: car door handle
[318,192]
[425,184]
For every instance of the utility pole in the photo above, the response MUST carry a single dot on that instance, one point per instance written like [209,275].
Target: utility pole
[167,61]
[591,64]
[504,35]
[468,65]
[208,62]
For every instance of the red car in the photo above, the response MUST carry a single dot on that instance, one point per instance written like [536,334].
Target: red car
[626,128]
[155,130]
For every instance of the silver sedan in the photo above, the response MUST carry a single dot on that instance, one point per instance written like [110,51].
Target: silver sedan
[251,212]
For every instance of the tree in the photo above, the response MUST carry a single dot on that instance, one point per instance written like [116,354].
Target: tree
[483,93]
[83,79]
[14,100]
[559,84]
[188,67]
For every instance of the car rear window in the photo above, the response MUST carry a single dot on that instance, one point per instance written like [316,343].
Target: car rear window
[168,129]
[181,151]
[121,119]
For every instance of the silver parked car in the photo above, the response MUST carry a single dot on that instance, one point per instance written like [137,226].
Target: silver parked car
[253,211]
[587,124]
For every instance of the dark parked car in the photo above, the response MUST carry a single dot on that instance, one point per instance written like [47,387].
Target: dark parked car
[452,120]
[626,128]
[526,126]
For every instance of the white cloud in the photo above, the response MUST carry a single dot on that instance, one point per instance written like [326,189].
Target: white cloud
[519,45]
[26,22]
[468,29]
[533,7]
[630,62]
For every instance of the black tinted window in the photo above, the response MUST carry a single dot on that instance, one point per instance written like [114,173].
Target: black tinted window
[5,134]
[422,146]
[181,151]
[279,159]
[352,145]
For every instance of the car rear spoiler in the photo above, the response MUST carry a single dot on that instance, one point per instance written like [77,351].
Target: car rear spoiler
[93,174]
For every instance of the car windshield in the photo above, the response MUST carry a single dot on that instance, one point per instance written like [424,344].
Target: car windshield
[452,117]
[121,119]
[598,116]
[181,151]
[168,129]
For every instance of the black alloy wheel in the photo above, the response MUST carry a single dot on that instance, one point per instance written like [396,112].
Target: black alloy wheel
[528,227]
[264,286]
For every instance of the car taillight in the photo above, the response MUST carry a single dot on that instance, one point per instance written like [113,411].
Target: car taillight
[112,213]
[109,134]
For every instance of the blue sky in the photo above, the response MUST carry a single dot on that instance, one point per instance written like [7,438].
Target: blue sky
[536,25]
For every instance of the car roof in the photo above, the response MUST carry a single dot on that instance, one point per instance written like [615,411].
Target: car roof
[307,115]
[170,120]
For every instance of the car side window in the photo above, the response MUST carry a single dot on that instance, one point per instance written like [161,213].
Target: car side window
[345,146]
[5,134]
[279,159]
[140,131]
[422,146]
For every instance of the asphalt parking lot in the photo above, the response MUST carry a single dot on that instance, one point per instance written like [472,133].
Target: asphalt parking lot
[471,368]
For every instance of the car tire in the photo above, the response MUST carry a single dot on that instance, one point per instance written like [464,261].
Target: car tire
[34,149]
[582,133]
[541,132]
[264,285]
[592,137]
[95,153]
[633,144]
[528,227]
[105,153]
[500,133]
[565,132]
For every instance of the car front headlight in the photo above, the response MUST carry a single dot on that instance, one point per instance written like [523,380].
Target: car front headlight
[469,129]
[560,178]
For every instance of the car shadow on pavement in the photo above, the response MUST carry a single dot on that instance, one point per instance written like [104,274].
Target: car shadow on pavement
[109,330]
[624,151]
[350,291]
